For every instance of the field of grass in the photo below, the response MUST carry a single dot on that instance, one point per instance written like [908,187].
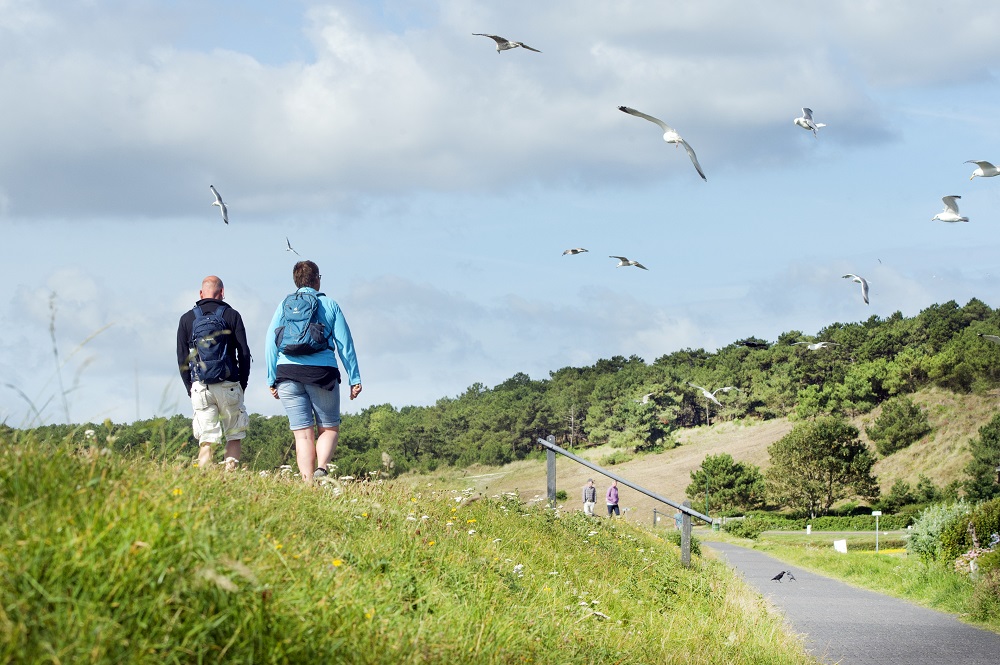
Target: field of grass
[112,560]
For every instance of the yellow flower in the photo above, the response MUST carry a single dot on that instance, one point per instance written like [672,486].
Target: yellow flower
[176,515]
[413,499]
[469,521]
[364,514]
[337,563]
[370,614]
[431,543]
[178,491]
[277,546]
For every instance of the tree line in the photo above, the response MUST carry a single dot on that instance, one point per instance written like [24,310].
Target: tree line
[631,403]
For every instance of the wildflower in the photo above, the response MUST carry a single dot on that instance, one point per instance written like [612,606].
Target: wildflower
[337,563]
[178,491]
[518,570]
[450,524]
[364,514]
[497,540]
[470,521]
[425,517]
[413,499]
[431,542]
[411,518]
[472,531]
[369,614]
[554,572]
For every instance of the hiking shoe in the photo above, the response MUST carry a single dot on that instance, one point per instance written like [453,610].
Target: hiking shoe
[231,464]
[319,473]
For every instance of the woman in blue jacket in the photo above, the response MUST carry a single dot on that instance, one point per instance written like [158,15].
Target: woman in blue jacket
[308,384]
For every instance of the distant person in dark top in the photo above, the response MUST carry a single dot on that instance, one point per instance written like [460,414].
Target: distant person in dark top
[612,499]
[589,497]
[308,384]
[216,383]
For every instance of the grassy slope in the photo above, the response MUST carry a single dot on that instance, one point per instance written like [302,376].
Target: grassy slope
[106,560]
[941,456]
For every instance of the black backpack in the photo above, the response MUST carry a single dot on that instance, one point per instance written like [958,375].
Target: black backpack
[210,361]
[300,332]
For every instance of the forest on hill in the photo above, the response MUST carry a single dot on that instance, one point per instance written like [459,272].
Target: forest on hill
[631,403]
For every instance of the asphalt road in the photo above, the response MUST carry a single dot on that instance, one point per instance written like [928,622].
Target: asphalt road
[843,624]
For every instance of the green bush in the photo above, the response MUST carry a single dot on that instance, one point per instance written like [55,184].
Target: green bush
[675,538]
[956,538]
[561,495]
[989,562]
[925,537]
[617,457]
[900,424]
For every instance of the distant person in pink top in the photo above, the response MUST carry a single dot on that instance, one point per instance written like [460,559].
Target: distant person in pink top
[612,499]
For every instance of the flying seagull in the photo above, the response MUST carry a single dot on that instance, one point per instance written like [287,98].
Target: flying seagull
[862,281]
[992,338]
[505,44]
[806,122]
[985,170]
[950,212]
[625,263]
[711,395]
[670,135]
[218,202]
[816,346]
[289,248]
[575,250]
[645,398]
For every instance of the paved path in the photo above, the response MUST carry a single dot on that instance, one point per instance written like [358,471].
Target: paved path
[844,624]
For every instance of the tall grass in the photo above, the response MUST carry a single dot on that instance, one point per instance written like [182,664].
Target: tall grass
[111,559]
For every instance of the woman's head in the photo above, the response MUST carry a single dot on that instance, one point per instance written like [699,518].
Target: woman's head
[306,273]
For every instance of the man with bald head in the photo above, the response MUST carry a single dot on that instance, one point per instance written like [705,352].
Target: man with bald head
[215,385]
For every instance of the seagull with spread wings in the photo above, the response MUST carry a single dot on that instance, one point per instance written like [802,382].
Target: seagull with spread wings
[504,44]
[289,248]
[815,346]
[862,281]
[985,170]
[626,262]
[670,135]
[992,338]
[806,122]
[711,395]
[950,212]
[218,202]
[575,250]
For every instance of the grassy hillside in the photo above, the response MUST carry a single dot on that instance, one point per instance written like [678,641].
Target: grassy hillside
[941,456]
[109,560]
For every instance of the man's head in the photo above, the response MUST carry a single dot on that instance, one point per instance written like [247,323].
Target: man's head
[590,481]
[306,273]
[211,287]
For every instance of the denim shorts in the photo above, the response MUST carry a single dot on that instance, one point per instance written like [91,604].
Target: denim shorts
[306,405]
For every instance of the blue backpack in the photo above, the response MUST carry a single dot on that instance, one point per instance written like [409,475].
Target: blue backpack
[300,332]
[210,360]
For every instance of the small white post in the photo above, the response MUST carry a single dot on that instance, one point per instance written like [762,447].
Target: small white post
[876,513]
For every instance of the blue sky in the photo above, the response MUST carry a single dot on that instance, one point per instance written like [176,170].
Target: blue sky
[437,182]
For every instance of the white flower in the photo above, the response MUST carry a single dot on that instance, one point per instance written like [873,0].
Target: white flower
[411,518]
[496,540]
[425,517]
[554,572]
[472,531]
[518,570]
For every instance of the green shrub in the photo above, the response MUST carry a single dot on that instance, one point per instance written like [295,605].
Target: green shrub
[956,538]
[617,457]
[901,423]
[675,538]
[925,537]
[561,495]
[989,562]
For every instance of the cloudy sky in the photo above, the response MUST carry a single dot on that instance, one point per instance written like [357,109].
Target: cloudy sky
[436,182]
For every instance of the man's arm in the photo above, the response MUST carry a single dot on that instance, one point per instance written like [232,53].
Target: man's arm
[243,356]
[183,351]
